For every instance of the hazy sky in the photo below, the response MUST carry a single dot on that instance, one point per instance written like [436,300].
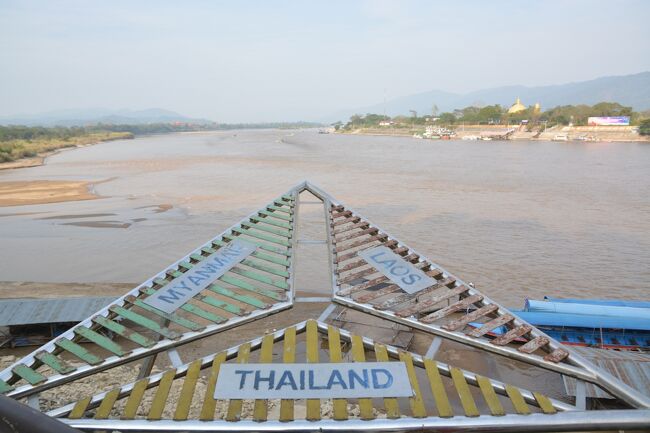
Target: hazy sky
[290,60]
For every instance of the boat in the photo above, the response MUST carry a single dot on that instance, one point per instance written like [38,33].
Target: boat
[561,137]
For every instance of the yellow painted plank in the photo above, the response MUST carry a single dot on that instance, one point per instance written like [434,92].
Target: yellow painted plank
[79,408]
[417,403]
[544,403]
[160,398]
[260,409]
[466,399]
[288,357]
[334,338]
[517,400]
[490,396]
[209,403]
[234,407]
[313,404]
[133,402]
[107,404]
[359,355]
[438,389]
[390,404]
[187,391]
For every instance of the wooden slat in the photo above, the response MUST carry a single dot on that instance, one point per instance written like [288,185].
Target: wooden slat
[288,357]
[313,404]
[249,287]
[438,389]
[258,254]
[420,304]
[145,322]
[193,309]
[187,391]
[506,338]
[418,409]
[209,403]
[339,258]
[57,364]
[534,344]
[79,408]
[340,214]
[517,400]
[135,397]
[262,245]
[103,342]
[124,332]
[349,237]
[107,404]
[260,408]
[160,398]
[359,243]
[279,209]
[260,266]
[544,403]
[345,221]
[458,306]
[235,406]
[557,355]
[31,376]
[259,277]
[271,221]
[359,355]
[491,325]
[360,274]
[391,404]
[78,351]
[363,286]
[218,303]
[172,317]
[259,226]
[275,215]
[467,318]
[490,396]
[360,225]
[394,288]
[5,387]
[334,340]
[466,399]
[236,296]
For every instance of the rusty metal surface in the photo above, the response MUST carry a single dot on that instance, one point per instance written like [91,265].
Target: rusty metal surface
[632,368]
[25,311]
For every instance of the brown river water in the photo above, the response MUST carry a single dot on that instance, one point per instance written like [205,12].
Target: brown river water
[519,219]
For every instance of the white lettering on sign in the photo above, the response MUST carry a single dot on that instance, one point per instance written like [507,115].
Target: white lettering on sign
[297,381]
[395,268]
[180,290]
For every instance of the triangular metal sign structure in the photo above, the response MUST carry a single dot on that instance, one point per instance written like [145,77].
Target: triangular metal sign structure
[260,284]
[247,273]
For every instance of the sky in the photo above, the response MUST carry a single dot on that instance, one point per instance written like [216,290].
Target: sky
[253,61]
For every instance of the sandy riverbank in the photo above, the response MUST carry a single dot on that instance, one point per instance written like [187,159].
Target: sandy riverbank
[20,193]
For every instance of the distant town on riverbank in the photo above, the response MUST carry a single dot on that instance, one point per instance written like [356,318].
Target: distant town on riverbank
[608,121]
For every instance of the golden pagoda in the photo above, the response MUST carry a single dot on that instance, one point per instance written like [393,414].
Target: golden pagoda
[516,107]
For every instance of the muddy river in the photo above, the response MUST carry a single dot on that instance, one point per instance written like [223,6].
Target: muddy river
[519,219]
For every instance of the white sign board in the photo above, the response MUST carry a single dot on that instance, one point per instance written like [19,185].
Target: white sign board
[180,290]
[395,268]
[298,381]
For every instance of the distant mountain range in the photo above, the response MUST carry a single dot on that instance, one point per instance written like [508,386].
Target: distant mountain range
[629,90]
[99,115]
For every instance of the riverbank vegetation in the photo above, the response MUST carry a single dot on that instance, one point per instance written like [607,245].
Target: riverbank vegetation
[498,115]
[17,142]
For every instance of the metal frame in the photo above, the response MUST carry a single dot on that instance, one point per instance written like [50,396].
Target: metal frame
[255,344]
[162,345]
[575,366]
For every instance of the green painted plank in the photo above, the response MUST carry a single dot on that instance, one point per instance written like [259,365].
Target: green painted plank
[288,198]
[123,331]
[264,228]
[244,285]
[78,351]
[261,267]
[100,340]
[174,273]
[194,309]
[31,376]
[284,215]
[259,277]
[218,303]
[278,206]
[277,215]
[272,222]
[263,245]
[186,265]
[5,387]
[160,281]
[185,323]
[55,363]
[145,321]
[262,236]
[263,256]
[236,296]
[197,257]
